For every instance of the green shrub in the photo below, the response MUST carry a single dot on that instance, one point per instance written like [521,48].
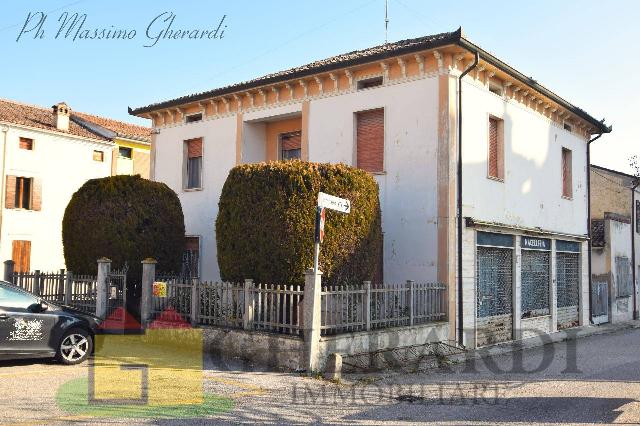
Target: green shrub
[124,218]
[266,221]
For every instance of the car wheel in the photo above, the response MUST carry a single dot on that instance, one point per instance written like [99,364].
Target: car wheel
[75,346]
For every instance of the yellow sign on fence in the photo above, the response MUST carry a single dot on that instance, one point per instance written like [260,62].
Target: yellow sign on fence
[160,289]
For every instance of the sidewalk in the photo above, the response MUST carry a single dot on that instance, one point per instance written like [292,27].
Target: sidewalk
[534,342]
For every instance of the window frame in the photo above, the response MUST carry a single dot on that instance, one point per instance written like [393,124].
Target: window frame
[368,79]
[31,141]
[97,151]
[384,139]
[20,198]
[499,149]
[185,165]
[280,150]
[191,118]
[563,176]
[126,148]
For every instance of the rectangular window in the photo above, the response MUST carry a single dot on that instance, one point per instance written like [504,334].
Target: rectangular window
[98,156]
[191,257]
[370,140]
[495,88]
[124,152]
[192,118]
[368,83]
[21,255]
[567,127]
[23,193]
[567,185]
[290,145]
[495,166]
[193,154]
[26,143]
[623,277]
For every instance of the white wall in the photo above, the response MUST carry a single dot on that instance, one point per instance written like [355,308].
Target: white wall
[618,244]
[64,164]
[531,194]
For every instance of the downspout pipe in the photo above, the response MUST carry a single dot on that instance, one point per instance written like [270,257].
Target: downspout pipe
[589,224]
[634,229]
[476,60]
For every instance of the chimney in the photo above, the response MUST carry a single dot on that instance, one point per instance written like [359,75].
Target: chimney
[61,113]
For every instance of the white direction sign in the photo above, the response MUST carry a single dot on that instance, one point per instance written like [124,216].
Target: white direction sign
[327,201]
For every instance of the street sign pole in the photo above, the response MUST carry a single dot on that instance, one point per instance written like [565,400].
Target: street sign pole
[340,205]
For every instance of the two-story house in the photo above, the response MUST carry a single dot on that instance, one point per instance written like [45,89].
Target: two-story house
[482,171]
[46,154]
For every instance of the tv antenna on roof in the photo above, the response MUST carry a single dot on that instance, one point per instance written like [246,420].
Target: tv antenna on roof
[386,21]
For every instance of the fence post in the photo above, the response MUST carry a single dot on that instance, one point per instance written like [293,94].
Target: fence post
[366,311]
[68,288]
[36,283]
[61,285]
[311,315]
[412,288]
[195,301]
[247,318]
[102,287]
[9,266]
[148,277]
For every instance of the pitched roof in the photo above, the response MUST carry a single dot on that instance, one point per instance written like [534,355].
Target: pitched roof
[43,118]
[372,54]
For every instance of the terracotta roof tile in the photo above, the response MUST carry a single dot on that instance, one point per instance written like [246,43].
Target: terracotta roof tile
[122,129]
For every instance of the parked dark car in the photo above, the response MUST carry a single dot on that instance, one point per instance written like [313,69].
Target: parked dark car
[33,328]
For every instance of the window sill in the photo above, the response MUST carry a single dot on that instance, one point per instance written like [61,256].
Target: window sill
[496,179]
[192,189]
[377,173]
[564,197]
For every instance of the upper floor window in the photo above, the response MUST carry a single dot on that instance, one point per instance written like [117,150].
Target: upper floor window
[192,118]
[193,164]
[567,126]
[98,156]
[496,88]
[290,145]
[368,83]
[370,140]
[125,152]
[495,156]
[567,185]
[23,193]
[26,143]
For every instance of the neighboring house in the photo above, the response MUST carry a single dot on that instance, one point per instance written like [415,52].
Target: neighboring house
[615,220]
[46,155]
[393,110]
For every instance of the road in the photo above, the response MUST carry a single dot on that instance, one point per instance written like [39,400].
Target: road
[591,380]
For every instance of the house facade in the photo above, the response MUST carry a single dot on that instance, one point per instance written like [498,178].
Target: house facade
[393,110]
[46,155]
[615,216]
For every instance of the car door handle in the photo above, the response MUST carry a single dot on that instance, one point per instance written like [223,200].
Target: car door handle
[4,317]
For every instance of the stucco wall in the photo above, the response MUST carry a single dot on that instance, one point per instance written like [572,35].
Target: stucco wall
[63,164]
[617,244]
[609,194]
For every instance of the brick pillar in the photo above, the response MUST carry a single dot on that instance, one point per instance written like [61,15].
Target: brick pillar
[102,287]
[148,277]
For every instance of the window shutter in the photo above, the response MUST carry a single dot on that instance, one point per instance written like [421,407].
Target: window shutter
[10,193]
[21,255]
[370,140]
[566,173]
[36,194]
[493,148]
[194,148]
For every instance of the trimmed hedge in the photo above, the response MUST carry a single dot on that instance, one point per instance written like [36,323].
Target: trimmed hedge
[266,222]
[124,218]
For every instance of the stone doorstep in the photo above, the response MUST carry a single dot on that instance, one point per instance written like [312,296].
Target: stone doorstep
[534,342]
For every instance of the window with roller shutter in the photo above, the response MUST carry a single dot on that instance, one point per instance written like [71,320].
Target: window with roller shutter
[193,164]
[370,140]
[495,157]
[567,186]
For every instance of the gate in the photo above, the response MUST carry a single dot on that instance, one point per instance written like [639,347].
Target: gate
[494,323]
[117,302]
[567,281]
[600,302]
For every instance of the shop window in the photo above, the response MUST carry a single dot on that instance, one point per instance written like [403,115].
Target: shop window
[535,277]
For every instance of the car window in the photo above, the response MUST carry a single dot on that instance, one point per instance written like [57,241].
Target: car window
[10,298]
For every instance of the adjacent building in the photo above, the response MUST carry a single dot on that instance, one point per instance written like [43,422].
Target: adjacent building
[46,154]
[482,171]
[615,216]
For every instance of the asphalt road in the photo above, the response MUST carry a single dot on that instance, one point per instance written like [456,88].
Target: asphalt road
[589,381]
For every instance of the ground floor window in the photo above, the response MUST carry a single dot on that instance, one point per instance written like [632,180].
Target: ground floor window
[535,276]
[567,283]
[191,257]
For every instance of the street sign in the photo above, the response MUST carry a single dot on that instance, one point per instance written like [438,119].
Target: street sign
[341,205]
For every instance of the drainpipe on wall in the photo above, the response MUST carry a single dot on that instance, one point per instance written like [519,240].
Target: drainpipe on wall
[4,130]
[634,229]
[459,197]
[589,223]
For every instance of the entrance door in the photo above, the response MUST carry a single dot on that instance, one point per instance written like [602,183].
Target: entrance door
[494,323]
[567,285]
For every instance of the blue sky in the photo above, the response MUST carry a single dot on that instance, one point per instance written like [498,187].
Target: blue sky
[582,50]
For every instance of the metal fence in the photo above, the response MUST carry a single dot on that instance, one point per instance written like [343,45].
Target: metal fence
[63,287]
[366,306]
[277,308]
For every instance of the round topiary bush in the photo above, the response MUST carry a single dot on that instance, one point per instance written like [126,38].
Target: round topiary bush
[126,219]
[266,222]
